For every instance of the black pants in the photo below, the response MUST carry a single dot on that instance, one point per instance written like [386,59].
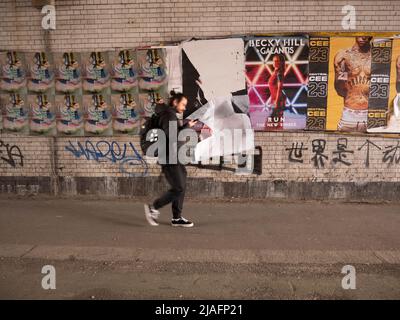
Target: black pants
[176,177]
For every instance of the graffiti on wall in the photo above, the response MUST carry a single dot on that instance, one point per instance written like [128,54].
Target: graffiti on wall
[125,155]
[341,153]
[11,154]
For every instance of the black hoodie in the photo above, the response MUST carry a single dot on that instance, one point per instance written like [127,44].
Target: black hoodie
[166,116]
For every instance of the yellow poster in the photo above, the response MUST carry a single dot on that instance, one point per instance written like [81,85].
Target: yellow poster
[393,124]
[349,82]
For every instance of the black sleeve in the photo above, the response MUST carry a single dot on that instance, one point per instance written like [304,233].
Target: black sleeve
[165,119]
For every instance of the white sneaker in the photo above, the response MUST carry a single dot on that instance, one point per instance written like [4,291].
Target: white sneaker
[151,214]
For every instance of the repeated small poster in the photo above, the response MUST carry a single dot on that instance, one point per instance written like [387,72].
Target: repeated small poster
[98,114]
[42,114]
[13,68]
[317,102]
[153,80]
[96,72]
[148,100]
[389,111]
[381,57]
[68,72]
[40,73]
[70,115]
[124,75]
[125,107]
[15,112]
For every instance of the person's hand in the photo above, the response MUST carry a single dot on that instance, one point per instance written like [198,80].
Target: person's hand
[191,123]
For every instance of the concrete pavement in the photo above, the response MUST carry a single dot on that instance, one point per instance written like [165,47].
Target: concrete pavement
[236,250]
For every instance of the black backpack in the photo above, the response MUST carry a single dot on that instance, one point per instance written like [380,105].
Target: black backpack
[150,125]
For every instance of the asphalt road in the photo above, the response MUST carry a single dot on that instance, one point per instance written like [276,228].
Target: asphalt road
[104,249]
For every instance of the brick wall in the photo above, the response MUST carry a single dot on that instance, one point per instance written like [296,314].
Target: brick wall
[291,167]
[108,24]
[58,165]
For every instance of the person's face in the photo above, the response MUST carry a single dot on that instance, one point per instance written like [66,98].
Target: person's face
[363,41]
[181,105]
[276,62]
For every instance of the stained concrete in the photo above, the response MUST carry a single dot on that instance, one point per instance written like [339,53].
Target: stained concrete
[202,188]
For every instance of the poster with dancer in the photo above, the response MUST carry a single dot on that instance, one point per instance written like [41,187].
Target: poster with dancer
[277,76]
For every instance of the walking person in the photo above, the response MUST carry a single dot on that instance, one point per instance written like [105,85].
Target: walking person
[175,173]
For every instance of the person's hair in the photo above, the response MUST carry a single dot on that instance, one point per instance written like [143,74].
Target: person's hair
[281,58]
[175,96]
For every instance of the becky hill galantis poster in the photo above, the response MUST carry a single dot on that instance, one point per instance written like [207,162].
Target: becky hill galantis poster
[277,75]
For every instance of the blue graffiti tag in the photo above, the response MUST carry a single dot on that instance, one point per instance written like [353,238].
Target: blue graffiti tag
[126,155]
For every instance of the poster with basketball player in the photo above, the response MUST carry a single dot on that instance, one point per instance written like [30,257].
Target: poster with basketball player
[12,72]
[391,113]
[277,76]
[349,83]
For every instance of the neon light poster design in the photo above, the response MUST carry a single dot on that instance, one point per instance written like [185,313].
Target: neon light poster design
[277,76]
